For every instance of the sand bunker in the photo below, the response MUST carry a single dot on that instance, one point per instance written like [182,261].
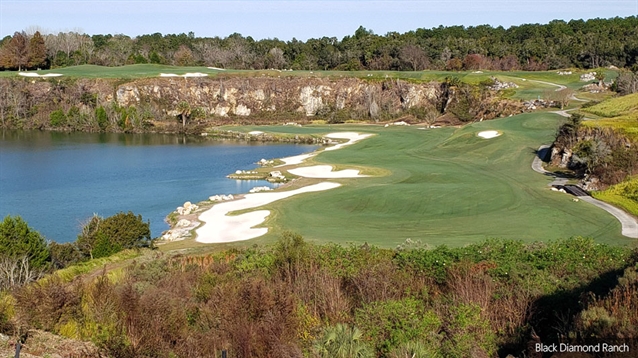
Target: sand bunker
[325,172]
[219,227]
[352,137]
[195,74]
[33,74]
[217,68]
[255,132]
[297,159]
[489,134]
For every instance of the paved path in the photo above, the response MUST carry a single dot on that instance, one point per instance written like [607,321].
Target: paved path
[560,87]
[628,222]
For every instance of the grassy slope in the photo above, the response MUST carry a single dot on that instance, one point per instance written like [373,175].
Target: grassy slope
[620,113]
[623,195]
[446,186]
[615,107]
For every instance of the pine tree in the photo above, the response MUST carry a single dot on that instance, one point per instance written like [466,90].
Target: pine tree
[37,51]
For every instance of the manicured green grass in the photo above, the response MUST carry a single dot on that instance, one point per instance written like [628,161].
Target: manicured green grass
[129,72]
[446,186]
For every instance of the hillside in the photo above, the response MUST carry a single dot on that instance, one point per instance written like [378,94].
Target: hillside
[485,300]
[620,114]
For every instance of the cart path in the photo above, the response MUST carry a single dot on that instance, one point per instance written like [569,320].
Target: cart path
[628,222]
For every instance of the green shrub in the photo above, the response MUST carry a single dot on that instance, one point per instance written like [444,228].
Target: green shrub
[127,230]
[18,239]
[468,334]
[7,311]
[103,237]
[290,252]
[390,324]
[63,255]
[101,118]
[105,246]
[342,341]
[58,118]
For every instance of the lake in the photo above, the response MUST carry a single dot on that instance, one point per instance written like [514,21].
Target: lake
[55,180]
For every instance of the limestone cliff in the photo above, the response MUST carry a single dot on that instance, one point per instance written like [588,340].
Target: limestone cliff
[253,96]
[155,103]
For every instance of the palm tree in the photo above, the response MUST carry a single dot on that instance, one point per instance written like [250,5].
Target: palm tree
[600,76]
[184,110]
[341,341]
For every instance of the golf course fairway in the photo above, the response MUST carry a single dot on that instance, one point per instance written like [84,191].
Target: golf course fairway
[441,186]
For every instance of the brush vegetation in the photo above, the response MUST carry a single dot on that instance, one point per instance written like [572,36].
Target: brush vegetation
[296,299]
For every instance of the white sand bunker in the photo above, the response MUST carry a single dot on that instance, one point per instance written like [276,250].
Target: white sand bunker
[325,172]
[489,134]
[195,74]
[297,159]
[33,74]
[255,132]
[217,68]
[352,138]
[219,227]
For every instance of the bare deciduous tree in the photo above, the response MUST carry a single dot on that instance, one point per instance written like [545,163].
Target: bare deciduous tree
[275,58]
[415,56]
[15,272]
[560,97]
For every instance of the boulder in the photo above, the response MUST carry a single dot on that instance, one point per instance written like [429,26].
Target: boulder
[242,110]
[567,155]
[183,223]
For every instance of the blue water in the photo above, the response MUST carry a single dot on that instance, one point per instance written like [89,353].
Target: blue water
[57,180]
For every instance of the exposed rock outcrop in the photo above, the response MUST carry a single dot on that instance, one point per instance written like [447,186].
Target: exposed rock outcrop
[253,96]
[174,103]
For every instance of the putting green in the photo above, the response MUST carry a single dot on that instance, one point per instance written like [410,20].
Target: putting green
[446,186]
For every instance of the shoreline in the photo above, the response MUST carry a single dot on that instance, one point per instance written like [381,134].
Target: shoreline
[216,224]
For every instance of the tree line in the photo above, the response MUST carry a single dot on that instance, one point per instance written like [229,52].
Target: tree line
[559,44]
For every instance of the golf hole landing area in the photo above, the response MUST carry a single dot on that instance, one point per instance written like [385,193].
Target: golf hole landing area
[489,134]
